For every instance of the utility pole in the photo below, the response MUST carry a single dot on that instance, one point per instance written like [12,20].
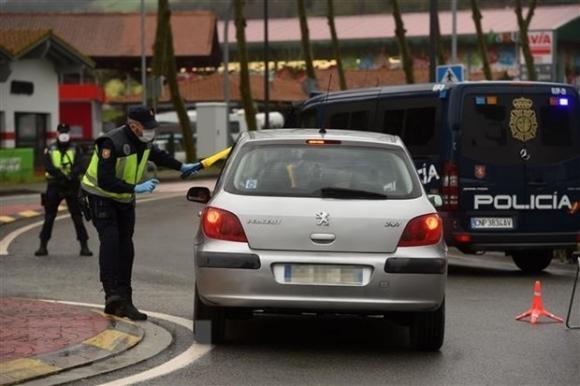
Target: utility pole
[266,69]
[227,65]
[453,31]
[432,39]
[143,60]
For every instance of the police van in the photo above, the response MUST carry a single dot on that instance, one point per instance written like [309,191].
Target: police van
[504,156]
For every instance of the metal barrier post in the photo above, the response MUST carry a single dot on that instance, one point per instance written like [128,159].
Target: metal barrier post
[577,254]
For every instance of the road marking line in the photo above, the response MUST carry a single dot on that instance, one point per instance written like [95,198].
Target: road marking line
[29,213]
[9,238]
[6,219]
[193,352]
[18,370]
[110,339]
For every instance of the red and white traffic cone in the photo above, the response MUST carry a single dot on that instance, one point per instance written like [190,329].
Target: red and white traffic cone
[537,310]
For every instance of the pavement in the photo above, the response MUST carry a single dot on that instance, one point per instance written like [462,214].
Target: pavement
[41,338]
[51,343]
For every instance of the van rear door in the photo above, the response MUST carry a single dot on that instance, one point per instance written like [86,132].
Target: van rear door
[520,161]
[491,170]
[553,166]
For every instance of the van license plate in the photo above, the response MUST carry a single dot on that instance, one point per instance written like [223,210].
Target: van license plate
[492,223]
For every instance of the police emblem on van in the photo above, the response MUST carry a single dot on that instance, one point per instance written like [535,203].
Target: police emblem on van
[523,121]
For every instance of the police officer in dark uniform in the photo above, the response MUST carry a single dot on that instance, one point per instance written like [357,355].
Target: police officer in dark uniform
[63,165]
[111,181]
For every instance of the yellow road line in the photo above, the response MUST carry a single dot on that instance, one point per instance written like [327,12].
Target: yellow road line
[20,369]
[29,213]
[110,339]
[6,219]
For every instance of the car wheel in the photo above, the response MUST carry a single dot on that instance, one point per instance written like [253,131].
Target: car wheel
[532,261]
[208,322]
[428,329]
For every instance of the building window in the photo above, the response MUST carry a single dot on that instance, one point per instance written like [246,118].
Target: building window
[31,131]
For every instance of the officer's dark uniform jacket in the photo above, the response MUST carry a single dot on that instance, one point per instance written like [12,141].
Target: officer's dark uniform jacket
[118,164]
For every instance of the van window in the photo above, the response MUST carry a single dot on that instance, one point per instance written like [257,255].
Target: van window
[307,119]
[486,134]
[556,128]
[339,121]
[416,127]
[355,120]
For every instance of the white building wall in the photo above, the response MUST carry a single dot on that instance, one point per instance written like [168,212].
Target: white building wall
[44,100]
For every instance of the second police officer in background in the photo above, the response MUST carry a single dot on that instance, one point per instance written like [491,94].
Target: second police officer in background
[64,166]
[111,181]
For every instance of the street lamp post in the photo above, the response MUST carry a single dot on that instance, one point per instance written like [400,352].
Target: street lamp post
[266,69]
[143,60]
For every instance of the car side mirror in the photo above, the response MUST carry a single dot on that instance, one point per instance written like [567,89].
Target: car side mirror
[436,200]
[198,194]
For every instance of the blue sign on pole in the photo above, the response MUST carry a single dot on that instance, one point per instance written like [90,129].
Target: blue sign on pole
[451,73]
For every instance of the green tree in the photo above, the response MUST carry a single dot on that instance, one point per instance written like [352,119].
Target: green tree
[164,62]
[476,14]
[524,24]
[245,89]
[306,49]
[400,31]
[335,46]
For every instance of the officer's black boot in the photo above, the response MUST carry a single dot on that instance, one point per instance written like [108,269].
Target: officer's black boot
[42,251]
[113,298]
[113,304]
[128,309]
[85,251]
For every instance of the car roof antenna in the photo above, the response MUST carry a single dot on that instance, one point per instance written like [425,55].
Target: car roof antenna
[322,129]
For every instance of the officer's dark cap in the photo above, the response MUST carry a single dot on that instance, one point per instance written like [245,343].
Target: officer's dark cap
[144,116]
[63,128]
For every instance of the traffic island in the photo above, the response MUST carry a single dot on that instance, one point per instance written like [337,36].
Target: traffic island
[40,338]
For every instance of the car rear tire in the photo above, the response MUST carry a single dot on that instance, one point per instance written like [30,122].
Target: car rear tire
[209,323]
[427,329]
[532,261]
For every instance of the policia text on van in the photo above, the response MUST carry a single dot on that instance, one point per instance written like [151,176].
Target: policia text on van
[505,156]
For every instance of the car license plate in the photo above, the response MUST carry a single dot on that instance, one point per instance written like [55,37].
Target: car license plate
[324,274]
[492,223]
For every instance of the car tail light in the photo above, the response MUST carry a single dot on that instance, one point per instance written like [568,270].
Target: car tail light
[223,225]
[423,230]
[578,237]
[450,186]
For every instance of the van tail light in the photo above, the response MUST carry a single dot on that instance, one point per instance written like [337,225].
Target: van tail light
[450,188]
[463,238]
[422,230]
[222,225]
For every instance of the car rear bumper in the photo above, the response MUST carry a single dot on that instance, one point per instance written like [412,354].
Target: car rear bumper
[258,288]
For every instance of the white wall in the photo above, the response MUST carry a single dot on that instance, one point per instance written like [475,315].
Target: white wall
[44,99]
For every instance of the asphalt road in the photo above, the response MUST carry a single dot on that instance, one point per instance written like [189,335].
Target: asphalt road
[483,345]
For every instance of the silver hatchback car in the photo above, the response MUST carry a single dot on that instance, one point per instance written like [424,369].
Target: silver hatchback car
[319,221]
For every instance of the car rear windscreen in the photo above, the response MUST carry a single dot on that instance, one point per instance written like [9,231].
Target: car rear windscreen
[495,127]
[297,170]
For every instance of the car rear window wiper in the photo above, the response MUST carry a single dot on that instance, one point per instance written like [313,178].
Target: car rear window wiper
[334,192]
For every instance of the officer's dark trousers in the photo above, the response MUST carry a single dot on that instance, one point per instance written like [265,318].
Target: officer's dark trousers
[115,223]
[54,195]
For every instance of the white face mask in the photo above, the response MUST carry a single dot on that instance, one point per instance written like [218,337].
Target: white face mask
[63,137]
[148,135]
